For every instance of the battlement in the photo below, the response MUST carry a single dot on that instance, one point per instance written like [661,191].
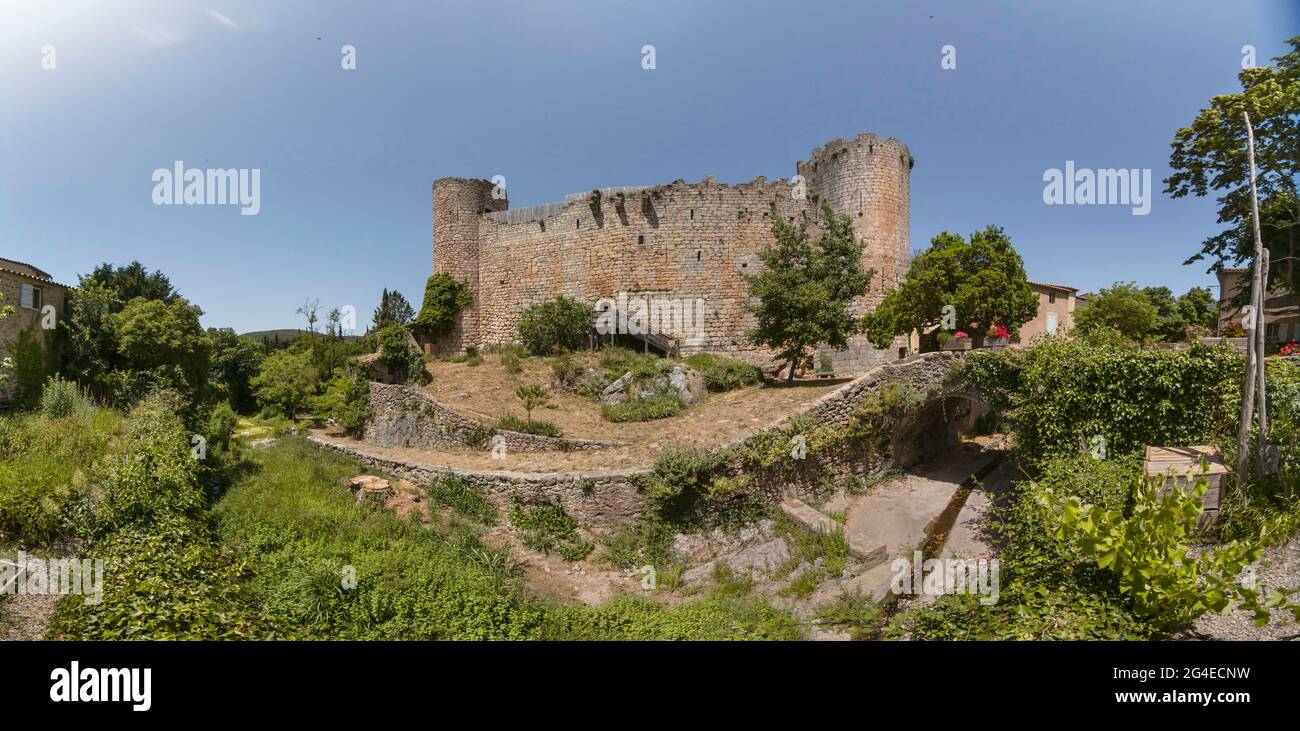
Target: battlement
[833,150]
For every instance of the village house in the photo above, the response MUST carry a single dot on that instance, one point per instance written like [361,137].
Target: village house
[28,291]
[1281,315]
[1056,303]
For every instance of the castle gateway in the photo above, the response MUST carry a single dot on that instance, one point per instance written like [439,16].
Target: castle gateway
[682,243]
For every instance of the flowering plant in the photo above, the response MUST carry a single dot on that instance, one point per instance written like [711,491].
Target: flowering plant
[998,331]
[960,334]
[1233,330]
[1289,349]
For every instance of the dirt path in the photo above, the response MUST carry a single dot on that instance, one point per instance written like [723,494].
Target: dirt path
[26,616]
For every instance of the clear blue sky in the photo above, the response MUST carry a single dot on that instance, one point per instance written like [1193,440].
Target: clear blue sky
[552,95]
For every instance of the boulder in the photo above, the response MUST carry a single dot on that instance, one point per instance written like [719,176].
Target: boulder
[686,383]
[757,561]
[616,392]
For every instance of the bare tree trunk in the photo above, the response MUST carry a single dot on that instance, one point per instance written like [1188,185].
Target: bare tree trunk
[1265,461]
[1253,338]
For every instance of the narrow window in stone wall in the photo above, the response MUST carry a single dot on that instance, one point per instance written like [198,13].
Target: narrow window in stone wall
[577,223]
[640,241]
[692,214]
[542,225]
[697,254]
[30,297]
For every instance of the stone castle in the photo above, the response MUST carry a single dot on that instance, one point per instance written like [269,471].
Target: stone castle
[680,241]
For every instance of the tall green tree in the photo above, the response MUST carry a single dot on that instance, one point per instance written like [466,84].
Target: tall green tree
[393,310]
[286,379]
[983,281]
[154,333]
[1210,155]
[235,360]
[131,281]
[1198,307]
[1124,308]
[804,292]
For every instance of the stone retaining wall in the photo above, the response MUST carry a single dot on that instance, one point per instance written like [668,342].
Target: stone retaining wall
[607,499]
[595,499]
[402,416]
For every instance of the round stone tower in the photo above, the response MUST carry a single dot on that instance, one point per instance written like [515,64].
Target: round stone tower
[458,208]
[868,180]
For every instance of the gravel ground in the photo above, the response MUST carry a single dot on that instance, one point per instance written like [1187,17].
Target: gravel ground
[25,616]
[1279,568]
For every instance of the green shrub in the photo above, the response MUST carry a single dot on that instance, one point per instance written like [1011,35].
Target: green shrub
[633,618]
[456,493]
[722,373]
[616,361]
[33,364]
[151,475]
[655,407]
[545,527]
[221,425]
[689,487]
[165,581]
[566,371]
[1022,613]
[807,547]
[397,352]
[346,400]
[1147,551]
[555,325]
[541,428]
[1061,392]
[646,542]
[303,536]
[285,379]
[803,585]
[511,363]
[62,398]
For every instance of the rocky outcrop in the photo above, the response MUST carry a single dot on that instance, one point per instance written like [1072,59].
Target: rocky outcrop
[683,382]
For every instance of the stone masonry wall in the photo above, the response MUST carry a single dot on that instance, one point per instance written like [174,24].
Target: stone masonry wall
[677,241]
[23,317]
[599,500]
[606,499]
[403,416]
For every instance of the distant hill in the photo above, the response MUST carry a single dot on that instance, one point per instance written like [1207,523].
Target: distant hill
[287,335]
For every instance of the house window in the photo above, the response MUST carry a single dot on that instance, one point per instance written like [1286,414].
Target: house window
[1051,298]
[31,297]
[1051,323]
